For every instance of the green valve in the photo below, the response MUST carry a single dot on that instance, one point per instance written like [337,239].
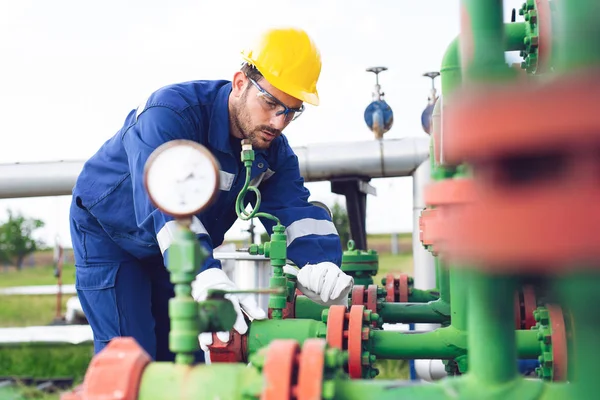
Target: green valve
[360,264]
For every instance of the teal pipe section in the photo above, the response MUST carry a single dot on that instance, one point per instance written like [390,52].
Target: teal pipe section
[392,313]
[577,292]
[411,313]
[483,29]
[305,308]
[458,302]
[492,342]
[578,34]
[263,332]
[444,343]
[422,296]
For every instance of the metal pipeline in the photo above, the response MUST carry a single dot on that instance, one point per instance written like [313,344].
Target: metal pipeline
[318,162]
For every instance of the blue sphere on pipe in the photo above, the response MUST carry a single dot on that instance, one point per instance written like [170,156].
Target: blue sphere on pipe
[379,117]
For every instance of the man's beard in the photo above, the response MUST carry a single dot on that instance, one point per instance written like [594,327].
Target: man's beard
[241,121]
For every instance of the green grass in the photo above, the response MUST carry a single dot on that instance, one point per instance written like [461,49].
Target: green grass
[30,276]
[38,310]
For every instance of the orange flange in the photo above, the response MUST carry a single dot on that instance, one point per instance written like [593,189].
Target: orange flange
[115,371]
[559,343]
[335,326]
[236,350]
[310,370]
[350,338]
[279,369]
[480,125]
[403,289]
[358,295]
[390,288]
[371,302]
[526,228]
[449,192]
[354,335]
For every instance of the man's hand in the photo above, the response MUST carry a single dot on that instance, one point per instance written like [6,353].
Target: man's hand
[243,303]
[324,283]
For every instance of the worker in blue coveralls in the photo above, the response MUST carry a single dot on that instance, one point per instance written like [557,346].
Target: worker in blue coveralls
[121,240]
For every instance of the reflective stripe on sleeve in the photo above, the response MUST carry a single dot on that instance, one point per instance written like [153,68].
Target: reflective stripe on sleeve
[309,226]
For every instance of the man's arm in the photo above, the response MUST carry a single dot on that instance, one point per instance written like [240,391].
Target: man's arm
[313,242]
[154,127]
[311,235]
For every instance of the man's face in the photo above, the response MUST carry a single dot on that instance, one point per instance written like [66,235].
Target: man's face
[253,112]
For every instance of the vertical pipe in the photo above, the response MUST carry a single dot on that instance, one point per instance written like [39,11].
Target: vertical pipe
[458,299]
[444,284]
[492,341]
[577,293]
[482,41]
[578,34]
[423,260]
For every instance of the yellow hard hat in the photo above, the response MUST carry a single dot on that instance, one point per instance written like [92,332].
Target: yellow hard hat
[289,60]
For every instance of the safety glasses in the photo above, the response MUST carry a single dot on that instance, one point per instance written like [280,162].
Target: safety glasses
[271,103]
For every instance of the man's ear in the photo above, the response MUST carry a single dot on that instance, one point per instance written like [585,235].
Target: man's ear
[238,83]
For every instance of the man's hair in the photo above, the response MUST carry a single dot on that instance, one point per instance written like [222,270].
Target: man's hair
[251,72]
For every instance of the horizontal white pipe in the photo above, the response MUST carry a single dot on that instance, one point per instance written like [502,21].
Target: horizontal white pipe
[430,370]
[60,334]
[318,162]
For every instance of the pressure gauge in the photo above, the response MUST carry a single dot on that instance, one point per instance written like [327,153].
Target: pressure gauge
[181,178]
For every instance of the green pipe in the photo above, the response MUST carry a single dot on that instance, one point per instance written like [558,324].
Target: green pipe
[492,339]
[392,313]
[483,29]
[444,283]
[422,296]
[308,309]
[444,343]
[450,72]
[578,292]
[263,332]
[458,301]
[411,313]
[578,34]
[162,381]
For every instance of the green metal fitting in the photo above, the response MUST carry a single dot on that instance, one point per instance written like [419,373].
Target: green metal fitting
[185,257]
[360,264]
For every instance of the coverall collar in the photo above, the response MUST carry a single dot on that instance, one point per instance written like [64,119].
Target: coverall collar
[218,130]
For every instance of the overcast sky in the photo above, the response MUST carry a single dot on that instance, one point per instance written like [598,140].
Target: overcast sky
[72,70]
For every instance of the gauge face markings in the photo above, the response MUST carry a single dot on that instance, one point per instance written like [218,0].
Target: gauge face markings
[181,178]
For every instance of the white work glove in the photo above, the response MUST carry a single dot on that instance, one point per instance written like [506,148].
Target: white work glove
[324,283]
[215,278]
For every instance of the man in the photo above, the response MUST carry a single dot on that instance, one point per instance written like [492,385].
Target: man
[121,240]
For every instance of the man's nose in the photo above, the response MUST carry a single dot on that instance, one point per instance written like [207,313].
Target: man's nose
[278,121]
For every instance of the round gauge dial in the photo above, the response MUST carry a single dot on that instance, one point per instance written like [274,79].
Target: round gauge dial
[181,178]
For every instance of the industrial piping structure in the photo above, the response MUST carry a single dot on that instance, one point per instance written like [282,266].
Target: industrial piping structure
[507,219]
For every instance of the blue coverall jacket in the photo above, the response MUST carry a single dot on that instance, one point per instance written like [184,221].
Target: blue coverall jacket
[120,239]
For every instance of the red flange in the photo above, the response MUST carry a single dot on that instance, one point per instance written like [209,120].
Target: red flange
[354,335]
[335,326]
[348,338]
[371,301]
[236,350]
[310,370]
[390,288]
[116,370]
[559,343]
[279,369]
[529,306]
[403,289]
[358,295]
